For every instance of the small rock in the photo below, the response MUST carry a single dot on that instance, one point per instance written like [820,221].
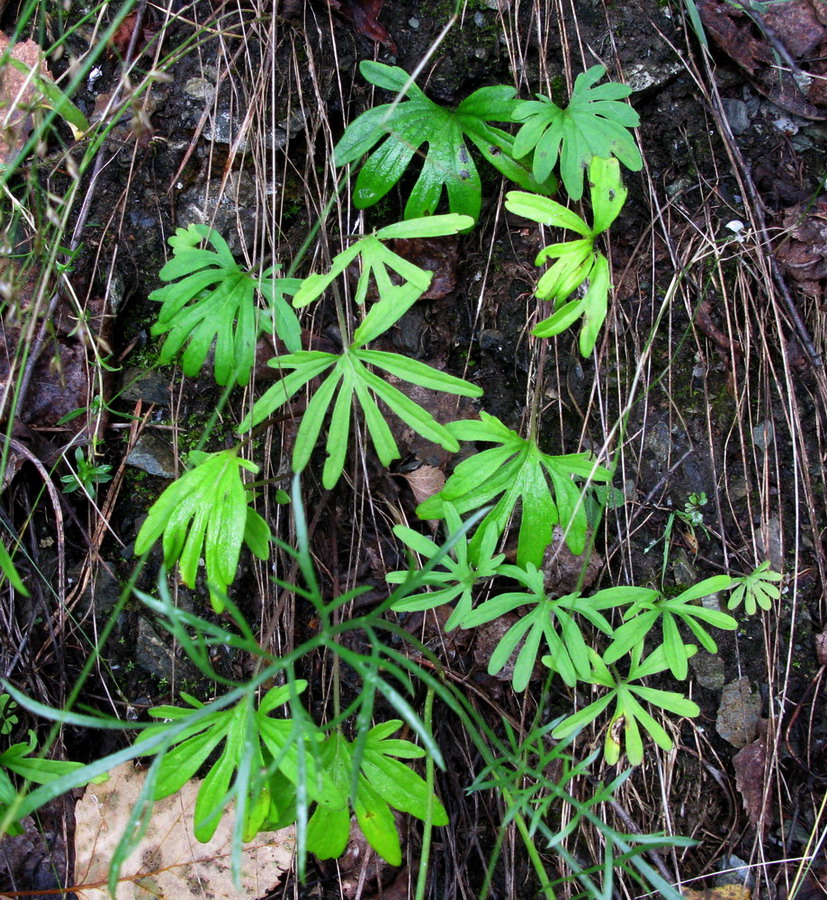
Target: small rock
[148,386]
[200,89]
[737,115]
[153,455]
[763,435]
[151,653]
[709,670]
[738,713]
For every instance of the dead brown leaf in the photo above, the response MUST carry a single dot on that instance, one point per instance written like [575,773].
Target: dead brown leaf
[168,861]
[364,14]
[821,647]
[804,251]
[796,29]
[424,482]
[18,97]
[749,764]
[437,255]
[724,892]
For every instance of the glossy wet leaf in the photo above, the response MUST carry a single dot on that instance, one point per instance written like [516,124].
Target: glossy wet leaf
[206,512]
[401,129]
[210,301]
[383,783]
[521,475]
[594,124]
[578,262]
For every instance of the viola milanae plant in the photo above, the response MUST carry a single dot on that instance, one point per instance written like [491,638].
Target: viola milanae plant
[402,127]
[349,376]
[594,124]
[210,301]
[578,261]
[517,472]
[383,782]
[207,511]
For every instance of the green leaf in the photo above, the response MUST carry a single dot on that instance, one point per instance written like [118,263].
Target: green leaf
[206,511]
[401,128]
[349,380]
[210,301]
[520,474]
[593,125]
[248,738]
[382,782]
[578,262]
[759,588]
[9,571]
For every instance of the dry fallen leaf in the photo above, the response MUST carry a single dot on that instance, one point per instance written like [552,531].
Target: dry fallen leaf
[738,713]
[18,95]
[724,892]
[749,765]
[169,861]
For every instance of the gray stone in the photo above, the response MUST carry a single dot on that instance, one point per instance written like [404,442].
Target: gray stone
[146,385]
[737,115]
[153,455]
[152,653]
[709,670]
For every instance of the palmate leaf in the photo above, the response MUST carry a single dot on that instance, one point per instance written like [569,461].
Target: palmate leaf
[210,300]
[379,263]
[651,606]
[594,124]
[402,128]
[759,587]
[578,261]
[383,782]
[243,732]
[550,621]
[629,714]
[207,511]
[519,473]
[349,379]
[456,576]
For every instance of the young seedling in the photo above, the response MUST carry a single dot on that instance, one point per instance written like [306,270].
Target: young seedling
[383,782]
[552,621]
[348,375]
[628,713]
[210,300]
[578,261]
[207,510]
[518,472]
[457,575]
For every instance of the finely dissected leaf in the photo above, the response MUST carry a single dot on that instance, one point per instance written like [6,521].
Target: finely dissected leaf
[383,782]
[351,379]
[206,511]
[650,606]
[210,300]
[552,620]
[759,587]
[594,124]
[455,577]
[517,472]
[578,261]
[246,733]
[402,128]
[629,714]
[380,263]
